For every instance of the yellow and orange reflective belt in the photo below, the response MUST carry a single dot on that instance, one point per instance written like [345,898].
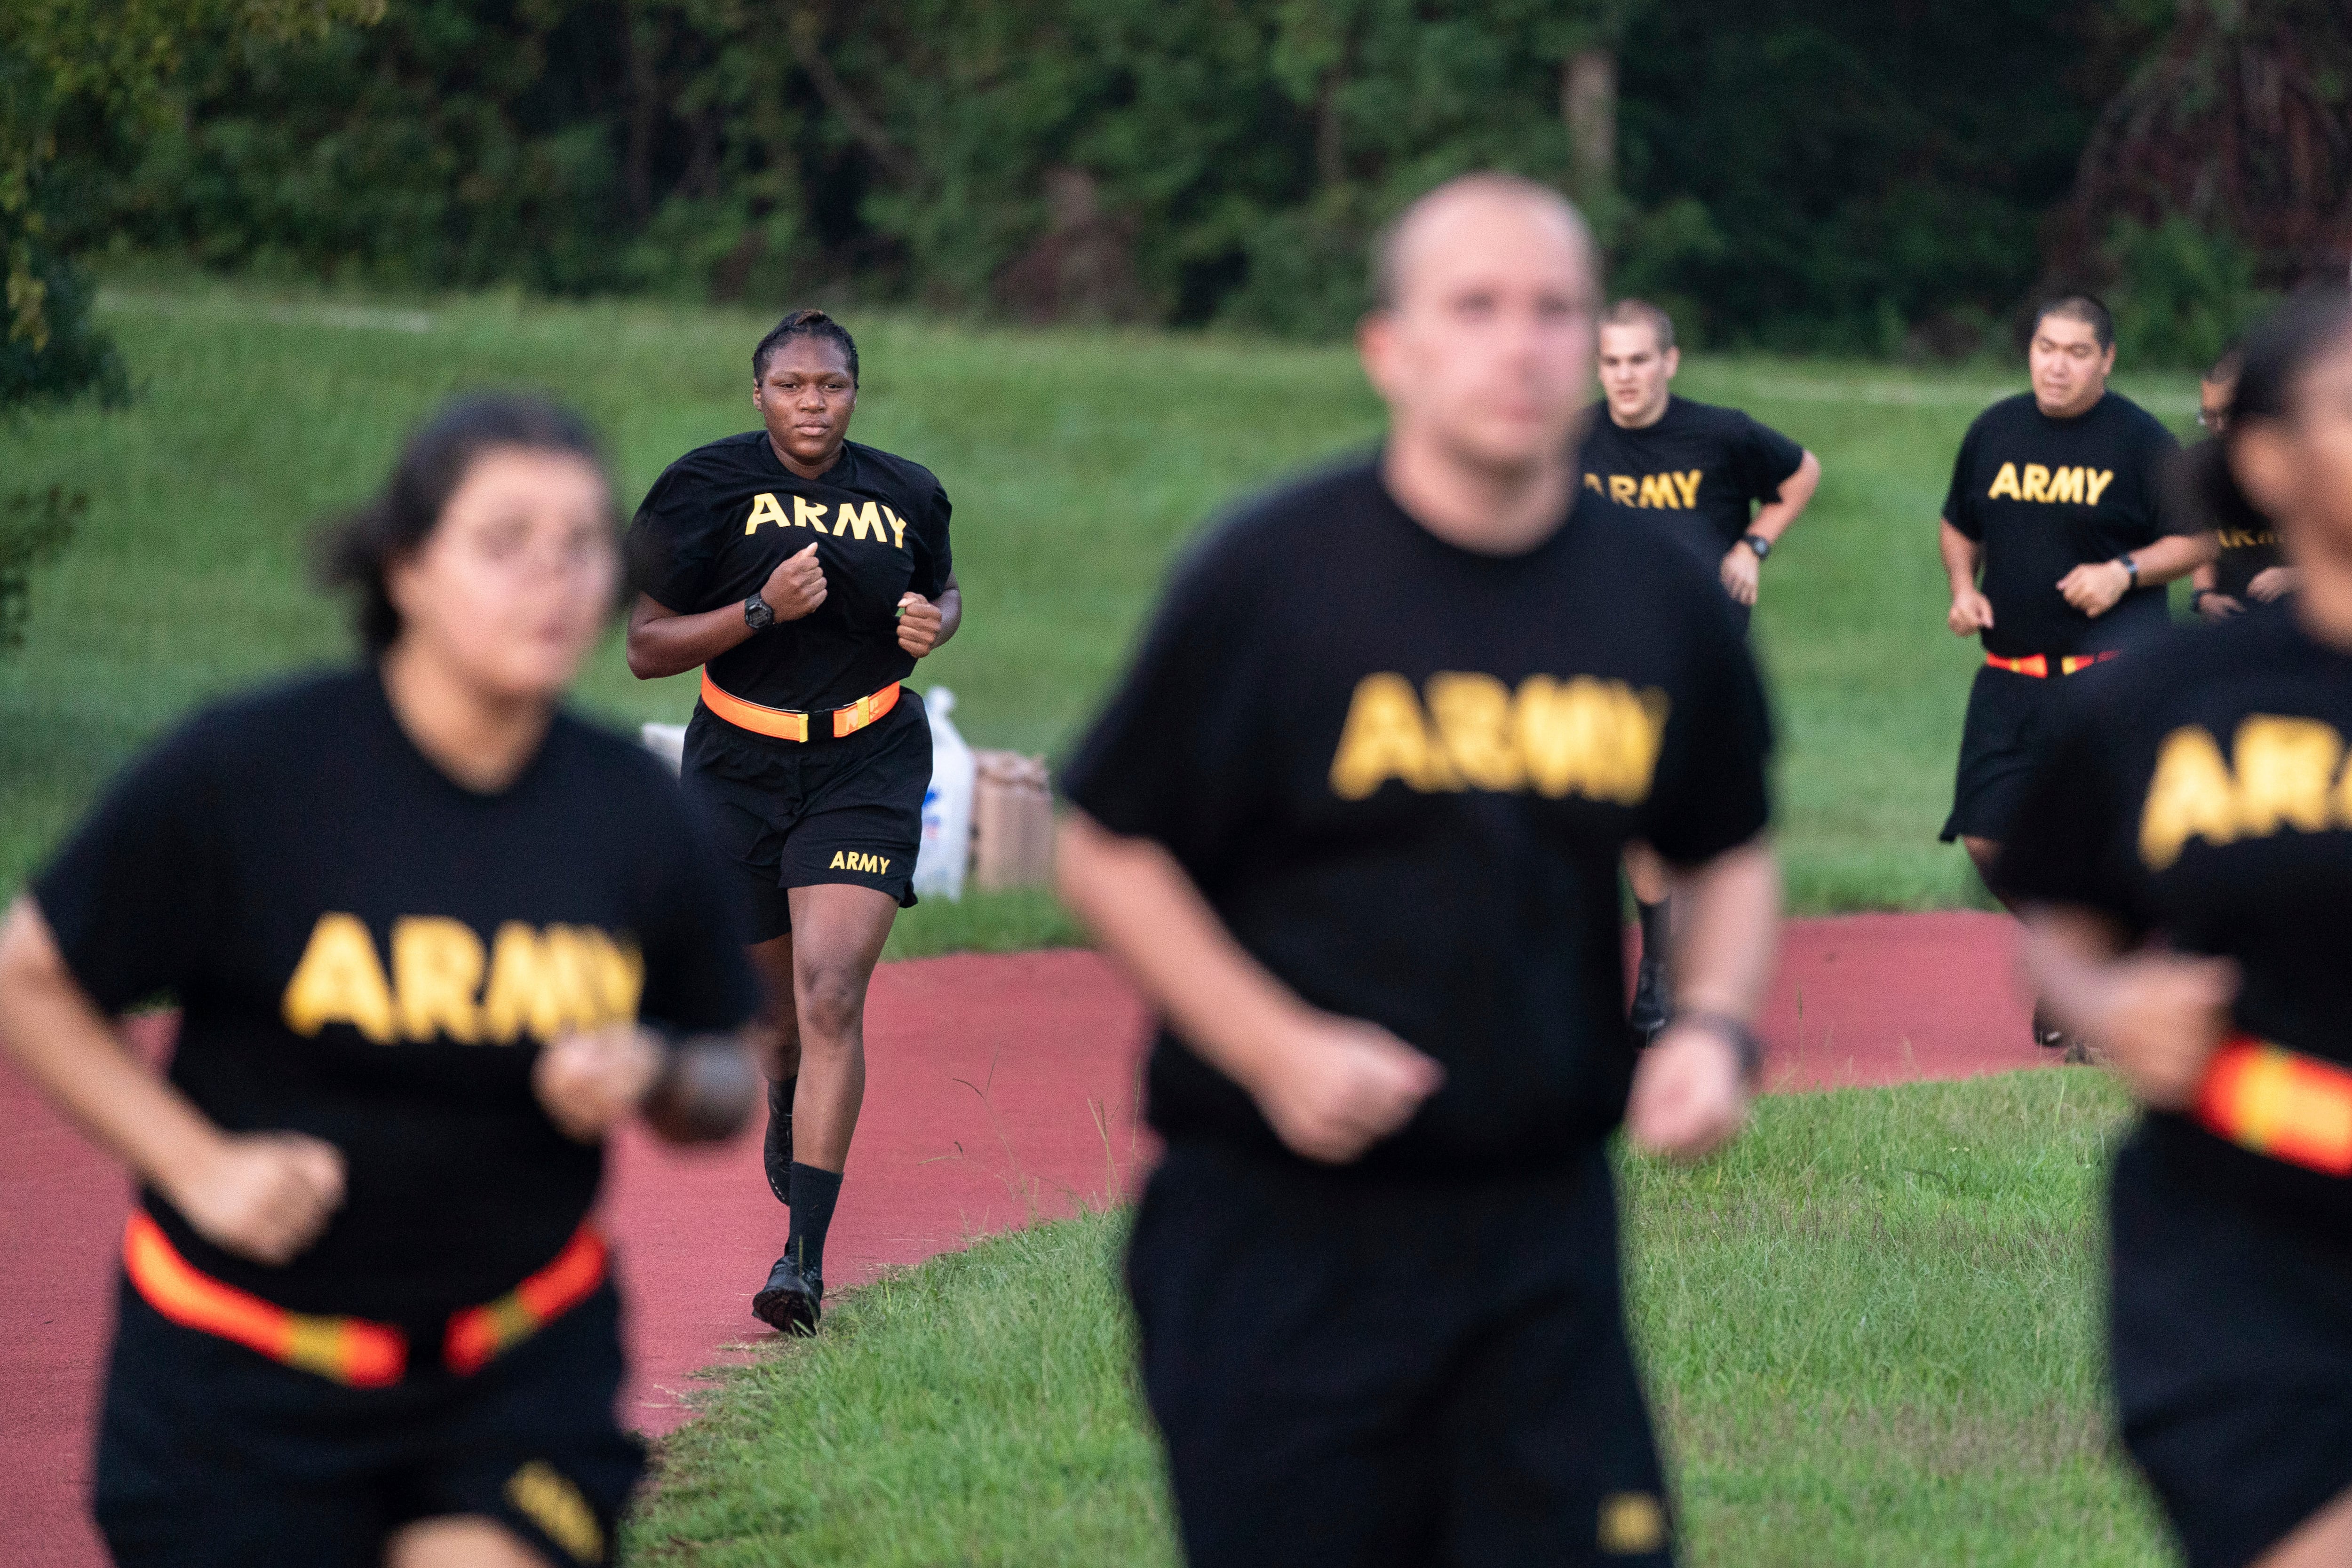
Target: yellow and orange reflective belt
[2038,664]
[2279,1103]
[350,1350]
[356,1351]
[479,1334]
[784,724]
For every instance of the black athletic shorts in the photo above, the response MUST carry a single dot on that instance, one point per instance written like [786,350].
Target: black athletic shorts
[796,814]
[1349,1372]
[213,1456]
[2007,723]
[2231,1336]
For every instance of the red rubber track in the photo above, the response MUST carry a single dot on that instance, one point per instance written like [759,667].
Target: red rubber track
[999,1089]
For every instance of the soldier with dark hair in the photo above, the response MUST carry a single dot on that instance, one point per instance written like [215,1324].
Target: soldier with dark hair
[422,928]
[2057,542]
[803,573]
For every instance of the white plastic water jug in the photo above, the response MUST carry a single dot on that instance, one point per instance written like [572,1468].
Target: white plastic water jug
[667,741]
[947,805]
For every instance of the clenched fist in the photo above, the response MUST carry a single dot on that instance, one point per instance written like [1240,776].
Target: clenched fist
[263,1195]
[589,1081]
[1689,1096]
[1971,613]
[919,624]
[1335,1086]
[796,586]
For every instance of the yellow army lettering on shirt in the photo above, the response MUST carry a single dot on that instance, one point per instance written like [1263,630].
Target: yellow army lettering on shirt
[853,518]
[2246,539]
[2280,773]
[1672,491]
[1582,736]
[851,860]
[2081,486]
[544,982]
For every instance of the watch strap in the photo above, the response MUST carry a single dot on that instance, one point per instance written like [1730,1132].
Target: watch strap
[1759,543]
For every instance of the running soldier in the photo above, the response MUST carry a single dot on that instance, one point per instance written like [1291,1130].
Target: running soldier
[2247,567]
[2184,861]
[803,573]
[1724,485]
[2056,544]
[418,923]
[1353,823]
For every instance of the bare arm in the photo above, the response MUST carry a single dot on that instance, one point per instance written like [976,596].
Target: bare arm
[2095,586]
[1773,518]
[2158,1016]
[1689,1091]
[664,643]
[264,1196]
[1971,611]
[1331,1086]
[1741,568]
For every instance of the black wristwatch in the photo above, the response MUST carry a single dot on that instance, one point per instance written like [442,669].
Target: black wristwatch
[757,615]
[2198,596]
[2130,566]
[1759,543]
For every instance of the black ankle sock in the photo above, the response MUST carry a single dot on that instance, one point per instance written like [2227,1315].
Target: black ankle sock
[1656,941]
[814,1193]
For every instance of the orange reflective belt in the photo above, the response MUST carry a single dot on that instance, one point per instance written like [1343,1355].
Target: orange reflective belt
[2038,664]
[352,1351]
[479,1334]
[2279,1103]
[785,725]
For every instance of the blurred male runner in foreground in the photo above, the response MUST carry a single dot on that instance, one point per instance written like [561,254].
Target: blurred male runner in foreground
[1353,822]
[2057,544]
[1714,479]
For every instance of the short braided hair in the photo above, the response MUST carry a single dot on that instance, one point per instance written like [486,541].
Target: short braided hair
[806,323]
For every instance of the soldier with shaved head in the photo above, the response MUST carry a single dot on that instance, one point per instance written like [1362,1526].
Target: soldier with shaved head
[1352,822]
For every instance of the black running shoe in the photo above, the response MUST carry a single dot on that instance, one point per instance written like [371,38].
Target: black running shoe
[788,1302]
[777,1149]
[1648,1013]
[2047,1035]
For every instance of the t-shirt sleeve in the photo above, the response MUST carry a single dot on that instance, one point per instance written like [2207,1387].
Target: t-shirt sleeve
[1711,791]
[137,890]
[1766,459]
[673,541]
[1177,756]
[2069,841]
[1960,500]
[934,558]
[697,978]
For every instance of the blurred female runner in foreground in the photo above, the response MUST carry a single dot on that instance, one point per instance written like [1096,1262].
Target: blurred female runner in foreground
[418,922]
[2187,858]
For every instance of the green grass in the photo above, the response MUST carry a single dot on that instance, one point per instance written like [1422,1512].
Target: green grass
[1871,1331]
[1078,462]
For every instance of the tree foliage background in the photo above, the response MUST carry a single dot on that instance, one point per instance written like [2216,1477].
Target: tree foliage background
[1873,176]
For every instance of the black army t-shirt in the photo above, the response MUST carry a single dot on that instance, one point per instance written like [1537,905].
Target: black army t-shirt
[1402,773]
[1697,472]
[720,518]
[367,952]
[2044,496]
[2203,800]
[2248,541]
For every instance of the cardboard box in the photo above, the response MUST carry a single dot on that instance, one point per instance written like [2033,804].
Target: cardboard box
[1011,821]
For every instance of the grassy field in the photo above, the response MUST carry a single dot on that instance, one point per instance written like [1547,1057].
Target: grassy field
[1077,461]
[1870,1331]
